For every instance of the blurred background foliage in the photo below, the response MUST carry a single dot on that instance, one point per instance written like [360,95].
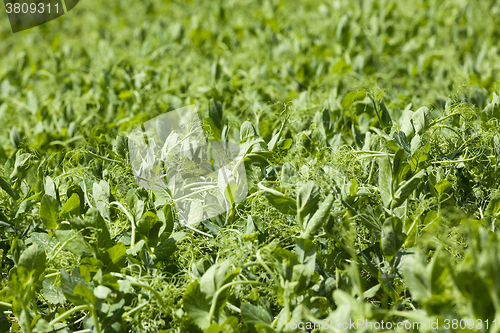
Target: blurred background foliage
[118,63]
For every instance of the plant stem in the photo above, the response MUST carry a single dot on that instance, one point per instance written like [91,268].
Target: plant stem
[7,305]
[28,318]
[69,313]
[443,118]
[128,313]
[221,289]
[286,300]
[371,171]
[96,320]
[196,192]
[52,275]
[103,158]
[196,230]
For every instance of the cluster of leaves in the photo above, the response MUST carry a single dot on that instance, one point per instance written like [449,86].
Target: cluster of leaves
[359,206]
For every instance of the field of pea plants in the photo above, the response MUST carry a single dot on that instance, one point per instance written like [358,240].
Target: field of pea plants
[252,166]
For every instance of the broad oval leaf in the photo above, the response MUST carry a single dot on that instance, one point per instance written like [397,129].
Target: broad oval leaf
[307,198]
[392,236]
[49,211]
[352,97]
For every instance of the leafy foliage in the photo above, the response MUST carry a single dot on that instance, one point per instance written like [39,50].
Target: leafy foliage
[370,136]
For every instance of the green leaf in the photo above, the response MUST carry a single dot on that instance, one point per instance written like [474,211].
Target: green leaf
[305,251]
[301,278]
[432,220]
[197,305]
[25,320]
[148,228]
[401,142]
[492,110]
[493,208]
[415,143]
[76,189]
[363,123]
[392,236]
[33,259]
[165,249]
[406,188]
[42,326]
[385,180]
[117,254]
[89,266]
[137,207]
[121,147]
[72,205]
[319,218]
[397,165]
[42,239]
[195,213]
[126,95]
[228,186]
[169,220]
[87,295]
[76,244]
[442,186]
[102,292]
[353,189]
[16,247]
[274,140]
[215,114]
[4,185]
[247,131]
[21,165]
[50,187]
[94,219]
[70,282]
[262,328]
[372,291]
[15,137]
[230,325]
[352,97]
[101,193]
[287,172]
[252,226]
[417,278]
[385,118]
[407,124]
[214,278]
[252,315]
[53,293]
[280,201]
[307,198]
[285,144]
[439,273]
[49,212]
[422,119]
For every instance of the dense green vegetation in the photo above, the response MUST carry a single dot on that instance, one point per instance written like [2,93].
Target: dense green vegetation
[373,161]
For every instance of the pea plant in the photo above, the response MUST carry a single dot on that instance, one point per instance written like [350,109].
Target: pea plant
[251,167]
